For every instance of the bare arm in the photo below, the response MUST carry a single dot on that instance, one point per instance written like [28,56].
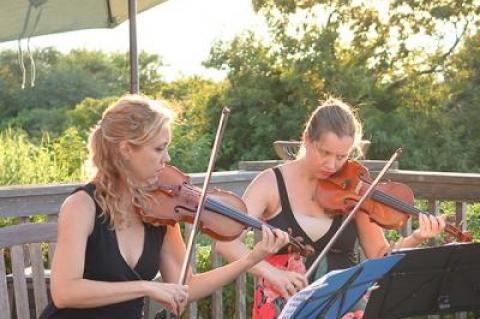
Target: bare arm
[371,236]
[374,243]
[204,284]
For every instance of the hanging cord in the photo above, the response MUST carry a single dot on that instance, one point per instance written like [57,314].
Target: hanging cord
[36,4]
[32,65]
[21,63]
[33,70]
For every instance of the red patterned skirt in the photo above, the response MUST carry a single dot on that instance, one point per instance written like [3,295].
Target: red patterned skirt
[268,303]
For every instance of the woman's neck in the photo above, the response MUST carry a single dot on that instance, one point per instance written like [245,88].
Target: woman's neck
[302,170]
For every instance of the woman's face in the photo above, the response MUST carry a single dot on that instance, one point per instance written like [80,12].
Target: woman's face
[327,155]
[147,160]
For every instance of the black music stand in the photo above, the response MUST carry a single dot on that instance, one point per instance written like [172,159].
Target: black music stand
[429,281]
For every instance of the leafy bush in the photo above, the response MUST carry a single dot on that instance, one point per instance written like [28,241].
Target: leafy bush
[50,161]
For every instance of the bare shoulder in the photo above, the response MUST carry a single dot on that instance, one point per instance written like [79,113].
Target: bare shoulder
[265,178]
[262,185]
[260,195]
[78,211]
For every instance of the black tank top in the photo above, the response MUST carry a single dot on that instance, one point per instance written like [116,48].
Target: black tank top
[341,255]
[103,262]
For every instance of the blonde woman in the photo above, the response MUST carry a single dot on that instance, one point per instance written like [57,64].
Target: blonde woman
[106,256]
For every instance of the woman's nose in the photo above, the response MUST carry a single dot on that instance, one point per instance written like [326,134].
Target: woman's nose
[167,157]
[330,163]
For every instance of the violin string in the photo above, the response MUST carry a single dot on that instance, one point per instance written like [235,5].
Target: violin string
[231,212]
[239,216]
[228,211]
[386,198]
[396,203]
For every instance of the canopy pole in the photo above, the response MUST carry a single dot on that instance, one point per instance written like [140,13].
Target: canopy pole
[132,18]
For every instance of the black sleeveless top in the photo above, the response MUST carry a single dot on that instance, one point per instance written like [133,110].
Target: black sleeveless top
[341,255]
[103,262]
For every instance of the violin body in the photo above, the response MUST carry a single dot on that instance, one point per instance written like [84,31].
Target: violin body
[390,204]
[341,192]
[174,199]
[169,205]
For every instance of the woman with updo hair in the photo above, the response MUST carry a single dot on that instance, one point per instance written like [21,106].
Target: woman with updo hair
[285,198]
[106,256]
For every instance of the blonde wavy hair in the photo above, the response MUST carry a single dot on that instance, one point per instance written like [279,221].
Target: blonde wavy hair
[335,116]
[137,120]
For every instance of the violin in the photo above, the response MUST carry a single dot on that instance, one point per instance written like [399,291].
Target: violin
[390,204]
[173,198]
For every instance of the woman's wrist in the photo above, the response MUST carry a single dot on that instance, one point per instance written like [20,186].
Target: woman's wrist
[260,269]
[146,287]
[250,260]
[413,240]
[417,237]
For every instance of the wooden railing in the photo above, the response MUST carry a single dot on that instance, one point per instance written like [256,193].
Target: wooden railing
[24,201]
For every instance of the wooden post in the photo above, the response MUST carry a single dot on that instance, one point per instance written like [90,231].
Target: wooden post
[240,297]
[192,309]
[4,299]
[461,223]
[217,300]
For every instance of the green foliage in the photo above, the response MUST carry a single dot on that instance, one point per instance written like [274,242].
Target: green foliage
[22,162]
[63,80]
[87,113]
[261,95]
[69,153]
[473,220]
[407,96]
[193,133]
[38,120]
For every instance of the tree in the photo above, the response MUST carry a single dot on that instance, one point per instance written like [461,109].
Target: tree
[365,54]
[63,80]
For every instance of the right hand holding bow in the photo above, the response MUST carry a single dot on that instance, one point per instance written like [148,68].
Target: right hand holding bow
[173,296]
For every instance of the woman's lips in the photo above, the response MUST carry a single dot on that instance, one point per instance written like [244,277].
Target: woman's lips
[326,173]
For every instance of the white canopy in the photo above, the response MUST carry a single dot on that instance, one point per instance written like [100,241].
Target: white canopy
[27,18]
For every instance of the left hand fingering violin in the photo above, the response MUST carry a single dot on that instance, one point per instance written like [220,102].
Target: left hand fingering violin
[390,204]
[175,199]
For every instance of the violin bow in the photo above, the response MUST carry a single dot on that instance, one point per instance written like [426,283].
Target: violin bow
[201,204]
[203,197]
[347,220]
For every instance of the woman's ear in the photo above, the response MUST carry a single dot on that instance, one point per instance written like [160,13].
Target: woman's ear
[125,150]
[305,138]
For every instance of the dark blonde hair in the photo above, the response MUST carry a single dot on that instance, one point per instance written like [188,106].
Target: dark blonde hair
[337,117]
[137,120]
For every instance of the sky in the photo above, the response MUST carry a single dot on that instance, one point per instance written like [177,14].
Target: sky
[181,31]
